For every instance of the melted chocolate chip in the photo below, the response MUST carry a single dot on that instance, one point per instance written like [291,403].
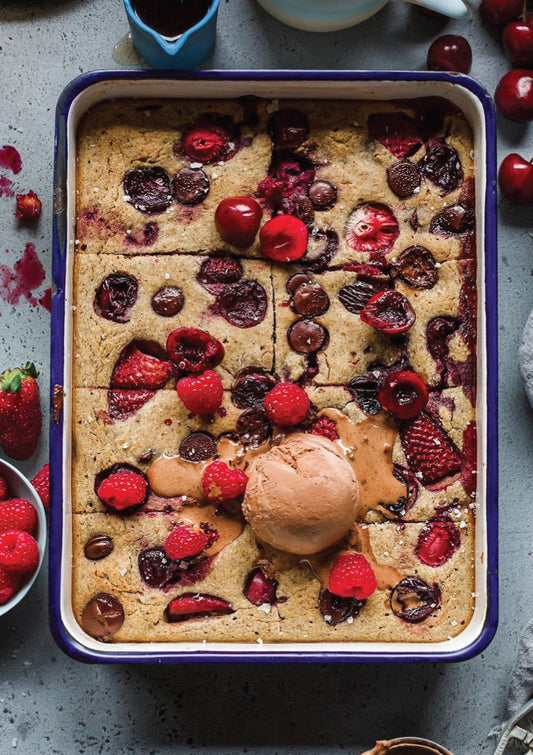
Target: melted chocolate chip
[243,304]
[190,186]
[307,336]
[310,300]
[148,189]
[103,616]
[288,128]
[115,296]
[335,609]
[253,427]
[416,267]
[98,547]
[198,446]
[168,301]
[323,195]
[251,387]
[303,209]
[404,178]
[413,600]
[296,280]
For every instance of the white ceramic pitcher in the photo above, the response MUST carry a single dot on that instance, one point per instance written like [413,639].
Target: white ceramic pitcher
[331,15]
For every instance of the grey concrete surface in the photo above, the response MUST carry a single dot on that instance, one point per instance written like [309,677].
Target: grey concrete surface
[51,704]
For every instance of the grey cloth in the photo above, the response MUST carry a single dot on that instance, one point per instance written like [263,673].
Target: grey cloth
[525,358]
[521,687]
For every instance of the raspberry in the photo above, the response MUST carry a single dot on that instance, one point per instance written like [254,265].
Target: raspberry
[41,483]
[9,584]
[17,514]
[286,404]
[19,552]
[325,427]
[352,577]
[201,394]
[123,490]
[185,542]
[28,206]
[4,490]
[221,483]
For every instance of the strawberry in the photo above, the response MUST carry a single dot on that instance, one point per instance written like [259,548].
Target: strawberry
[123,403]
[191,605]
[138,369]
[17,514]
[41,483]
[20,412]
[430,452]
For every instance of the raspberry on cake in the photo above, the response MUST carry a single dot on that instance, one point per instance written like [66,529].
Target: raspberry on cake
[274,372]
[201,394]
[221,483]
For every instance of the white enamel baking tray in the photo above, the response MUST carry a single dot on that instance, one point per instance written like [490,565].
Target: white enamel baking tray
[93,88]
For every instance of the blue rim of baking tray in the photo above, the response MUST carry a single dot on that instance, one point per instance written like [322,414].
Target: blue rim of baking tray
[61,636]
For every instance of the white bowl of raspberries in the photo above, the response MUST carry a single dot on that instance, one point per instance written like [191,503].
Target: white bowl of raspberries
[22,536]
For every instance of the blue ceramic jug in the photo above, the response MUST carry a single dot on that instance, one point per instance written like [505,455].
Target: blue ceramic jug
[331,15]
[186,51]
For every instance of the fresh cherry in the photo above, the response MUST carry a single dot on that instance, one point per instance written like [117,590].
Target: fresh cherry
[450,53]
[403,394]
[518,42]
[514,95]
[237,220]
[515,178]
[284,238]
[502,11]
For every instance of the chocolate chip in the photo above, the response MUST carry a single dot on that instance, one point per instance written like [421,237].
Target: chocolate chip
[303,209]
[168,301]
[416,266]
[307,336]
[103,616]
[146,456]
[253,427]
[323,195]
[404,178]
[310,300]
[198,446]
[288,128]
[335,609]
[190,186]
[98,547]
[298,279]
